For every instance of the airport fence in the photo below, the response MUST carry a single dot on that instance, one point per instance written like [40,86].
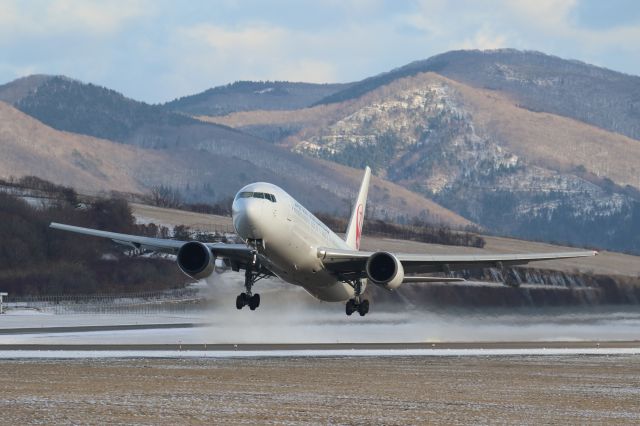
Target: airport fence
[142,303]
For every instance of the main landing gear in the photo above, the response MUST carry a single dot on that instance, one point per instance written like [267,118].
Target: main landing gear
[357,304]
[251,275]
[354,305]
[245,299]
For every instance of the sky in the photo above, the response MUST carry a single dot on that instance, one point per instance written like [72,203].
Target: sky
[158,50]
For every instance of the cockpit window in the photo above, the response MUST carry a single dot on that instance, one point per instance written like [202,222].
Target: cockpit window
[262,195]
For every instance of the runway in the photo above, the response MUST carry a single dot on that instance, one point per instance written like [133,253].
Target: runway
[317,366]
[140,341]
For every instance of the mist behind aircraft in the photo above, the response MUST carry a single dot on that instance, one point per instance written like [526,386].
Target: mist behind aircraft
[292,316]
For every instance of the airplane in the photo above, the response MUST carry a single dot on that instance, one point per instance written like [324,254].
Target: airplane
[283,239]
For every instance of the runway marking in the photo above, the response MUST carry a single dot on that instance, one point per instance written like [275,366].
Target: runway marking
[88,328]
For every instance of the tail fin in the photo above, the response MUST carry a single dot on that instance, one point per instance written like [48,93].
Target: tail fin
[354,230]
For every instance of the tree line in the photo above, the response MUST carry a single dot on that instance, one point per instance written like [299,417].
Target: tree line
[417,231]
[38,260]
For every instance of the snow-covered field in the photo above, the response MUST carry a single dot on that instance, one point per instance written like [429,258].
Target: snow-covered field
[292,316]
[321,325]
[310,353]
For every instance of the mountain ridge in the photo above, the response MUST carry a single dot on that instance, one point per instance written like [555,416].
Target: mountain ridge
[540,82]
[521,143]
[29,147]
[250,95]
[480,153]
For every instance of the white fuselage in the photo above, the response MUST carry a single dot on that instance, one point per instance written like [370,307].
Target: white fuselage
[288,237]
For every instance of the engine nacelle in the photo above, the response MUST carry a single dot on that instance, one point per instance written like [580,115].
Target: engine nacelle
[384,269]
[195,260]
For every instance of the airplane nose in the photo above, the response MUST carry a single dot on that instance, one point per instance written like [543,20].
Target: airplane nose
[246,219]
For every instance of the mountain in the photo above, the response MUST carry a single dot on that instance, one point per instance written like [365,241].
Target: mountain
[16,90]
[70,105]
[521,143]
[535,81]
[28,147]
[511,168]
[212,173]
[254,95]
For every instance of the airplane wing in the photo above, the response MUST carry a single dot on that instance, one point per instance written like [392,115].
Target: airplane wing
[238,253]
[351,263]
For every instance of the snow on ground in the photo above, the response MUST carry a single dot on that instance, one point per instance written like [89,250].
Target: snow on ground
[316,353]
[30,318]
[292,316]
[321,326]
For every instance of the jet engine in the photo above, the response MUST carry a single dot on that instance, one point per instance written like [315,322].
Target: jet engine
[384,269]
[195,260]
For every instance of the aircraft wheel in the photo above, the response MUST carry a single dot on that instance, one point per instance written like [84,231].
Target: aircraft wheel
[363,308]
[240,301]
[350,307]
[254,302]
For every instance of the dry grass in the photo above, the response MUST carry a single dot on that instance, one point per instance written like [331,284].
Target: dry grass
[553,141]
[83,162]
[88,164]
[180,217]
[423,390]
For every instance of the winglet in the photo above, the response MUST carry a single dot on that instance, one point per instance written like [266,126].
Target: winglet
[354,230]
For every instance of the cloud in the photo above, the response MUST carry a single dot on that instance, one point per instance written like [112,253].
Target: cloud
[259,39]
[549,14]
[546,25]
[484,39]
[106,16]
[256,51]
[156,50]
[49,18]
[554,21]
[353,46]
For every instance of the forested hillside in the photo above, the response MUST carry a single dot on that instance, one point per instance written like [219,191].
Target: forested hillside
[38,260]
[539,82]
[253,95]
